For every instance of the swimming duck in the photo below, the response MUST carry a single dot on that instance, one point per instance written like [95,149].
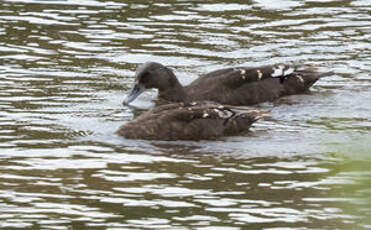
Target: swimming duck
[190,121]
[232,86]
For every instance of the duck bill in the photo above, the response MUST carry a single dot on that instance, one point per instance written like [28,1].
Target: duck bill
[135,92]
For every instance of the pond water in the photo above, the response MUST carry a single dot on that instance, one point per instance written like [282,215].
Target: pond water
[66,65]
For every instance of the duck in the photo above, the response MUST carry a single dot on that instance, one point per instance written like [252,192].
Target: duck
[232,86]
[190,121]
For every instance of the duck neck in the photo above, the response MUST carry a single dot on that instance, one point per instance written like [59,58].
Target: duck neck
[174,93]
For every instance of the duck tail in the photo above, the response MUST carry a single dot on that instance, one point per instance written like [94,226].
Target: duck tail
[246,112]
[308,75]
[311,75]
[243,118]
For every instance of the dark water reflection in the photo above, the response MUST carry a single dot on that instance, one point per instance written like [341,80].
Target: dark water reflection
[65,67]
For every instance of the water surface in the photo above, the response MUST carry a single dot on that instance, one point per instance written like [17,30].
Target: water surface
[65,67]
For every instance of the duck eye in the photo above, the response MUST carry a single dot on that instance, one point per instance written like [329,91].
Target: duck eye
[144,77]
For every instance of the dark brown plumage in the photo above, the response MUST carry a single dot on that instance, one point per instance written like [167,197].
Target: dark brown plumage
[192,121]
[232,86]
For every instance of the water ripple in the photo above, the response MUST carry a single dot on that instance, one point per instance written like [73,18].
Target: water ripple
[67,65]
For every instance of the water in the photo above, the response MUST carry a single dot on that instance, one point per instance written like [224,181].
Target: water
[65,67]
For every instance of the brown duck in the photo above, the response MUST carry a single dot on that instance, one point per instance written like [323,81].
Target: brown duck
[190,121]
[232,86]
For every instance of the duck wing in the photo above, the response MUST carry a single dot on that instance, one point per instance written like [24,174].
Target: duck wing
[208,120]
[238,76]
[190,121]
[251,85]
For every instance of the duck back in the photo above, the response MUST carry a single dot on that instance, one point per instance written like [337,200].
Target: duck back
[190,121]
[248,86]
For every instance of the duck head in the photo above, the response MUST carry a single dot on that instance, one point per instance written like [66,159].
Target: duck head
[151,75]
